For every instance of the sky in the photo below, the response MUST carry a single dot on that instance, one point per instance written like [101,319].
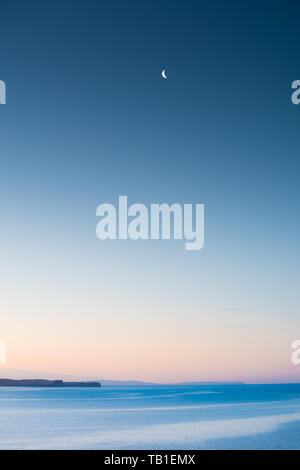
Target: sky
[88,118]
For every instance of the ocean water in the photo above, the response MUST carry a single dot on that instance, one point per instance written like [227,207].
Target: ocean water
[151,417]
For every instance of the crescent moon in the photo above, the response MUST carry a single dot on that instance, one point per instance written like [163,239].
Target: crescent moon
[164,74]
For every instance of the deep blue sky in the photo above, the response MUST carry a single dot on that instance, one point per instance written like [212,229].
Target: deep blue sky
[88,117]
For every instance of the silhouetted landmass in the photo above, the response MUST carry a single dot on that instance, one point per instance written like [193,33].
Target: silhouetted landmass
[211,383]
[45,383]
[15,374]
[134,383]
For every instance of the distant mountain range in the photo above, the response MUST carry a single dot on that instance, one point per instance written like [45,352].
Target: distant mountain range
[15,374]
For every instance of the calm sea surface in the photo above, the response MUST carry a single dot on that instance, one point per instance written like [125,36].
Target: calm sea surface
[152,417]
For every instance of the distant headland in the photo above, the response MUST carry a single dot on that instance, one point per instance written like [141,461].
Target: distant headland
[45,383]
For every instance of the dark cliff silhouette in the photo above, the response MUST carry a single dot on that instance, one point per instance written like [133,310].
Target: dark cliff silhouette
[45,383]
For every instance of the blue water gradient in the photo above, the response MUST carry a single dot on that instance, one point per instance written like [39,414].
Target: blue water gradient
[151,417]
